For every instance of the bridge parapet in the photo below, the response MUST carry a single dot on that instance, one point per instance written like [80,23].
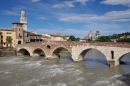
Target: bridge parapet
[109,44]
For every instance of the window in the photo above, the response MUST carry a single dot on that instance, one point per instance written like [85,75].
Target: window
[20,35]
[8,32]
[8,37]
[9,41]
[19,42]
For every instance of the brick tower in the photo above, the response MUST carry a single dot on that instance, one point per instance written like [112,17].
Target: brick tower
[18,28]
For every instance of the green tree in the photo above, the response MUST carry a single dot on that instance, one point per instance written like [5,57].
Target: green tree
[124,40]
[90,39]
[104,39]
[73,38]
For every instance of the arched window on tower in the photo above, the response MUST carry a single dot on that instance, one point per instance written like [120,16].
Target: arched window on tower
[19,42]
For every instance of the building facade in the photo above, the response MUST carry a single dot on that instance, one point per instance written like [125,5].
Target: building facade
[1,39]
[18,28]
[56,37]
[26,37]
[35,37]
[8,38]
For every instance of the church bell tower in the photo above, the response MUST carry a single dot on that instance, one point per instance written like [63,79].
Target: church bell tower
[23,20]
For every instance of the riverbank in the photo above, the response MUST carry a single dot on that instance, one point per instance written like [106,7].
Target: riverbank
[7,52]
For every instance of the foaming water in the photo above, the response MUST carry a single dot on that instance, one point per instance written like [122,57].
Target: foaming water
[28,71]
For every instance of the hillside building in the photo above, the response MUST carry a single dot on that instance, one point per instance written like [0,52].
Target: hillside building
[56,37]
[97,34]
[91,36]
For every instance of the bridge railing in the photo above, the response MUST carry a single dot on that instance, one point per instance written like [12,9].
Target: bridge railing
[68,43]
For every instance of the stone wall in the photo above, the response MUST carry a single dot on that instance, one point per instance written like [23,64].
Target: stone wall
[7,52]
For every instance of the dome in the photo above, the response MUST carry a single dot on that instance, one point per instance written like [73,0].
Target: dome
[90,33]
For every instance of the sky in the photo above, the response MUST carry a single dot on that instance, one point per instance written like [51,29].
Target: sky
[69,17]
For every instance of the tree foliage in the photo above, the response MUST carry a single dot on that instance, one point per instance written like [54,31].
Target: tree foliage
[124,40]
[104,39]
[73,38]
[117,36]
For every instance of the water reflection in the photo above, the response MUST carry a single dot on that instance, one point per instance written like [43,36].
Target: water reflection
[126,59]
[95,58]
[125,78]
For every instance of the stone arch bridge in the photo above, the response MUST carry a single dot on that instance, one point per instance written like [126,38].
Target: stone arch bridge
[112,51]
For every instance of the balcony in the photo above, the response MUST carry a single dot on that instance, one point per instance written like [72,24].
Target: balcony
[9,38]
[8,41]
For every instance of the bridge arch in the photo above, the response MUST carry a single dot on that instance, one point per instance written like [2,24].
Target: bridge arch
[121,57]
[85,51]
[23,51]
[38,52]
[56,51]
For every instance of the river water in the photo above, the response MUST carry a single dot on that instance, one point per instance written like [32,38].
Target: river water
[37,71]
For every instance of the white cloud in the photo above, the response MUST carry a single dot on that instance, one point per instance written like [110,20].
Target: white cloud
[36,0]
[9,13]
[64,4]
[116,2]
[104,28]
[83,2]
[107,17]
[41,18]
[58,6]
[65,31]
[70,3]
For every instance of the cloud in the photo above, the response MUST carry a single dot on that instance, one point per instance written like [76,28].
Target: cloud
[64,4]
[115,16]
[70,3]
[41,18]
[65,31]
[83,2]
[117,2]
[9,13]
[104,28]
[36,0]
